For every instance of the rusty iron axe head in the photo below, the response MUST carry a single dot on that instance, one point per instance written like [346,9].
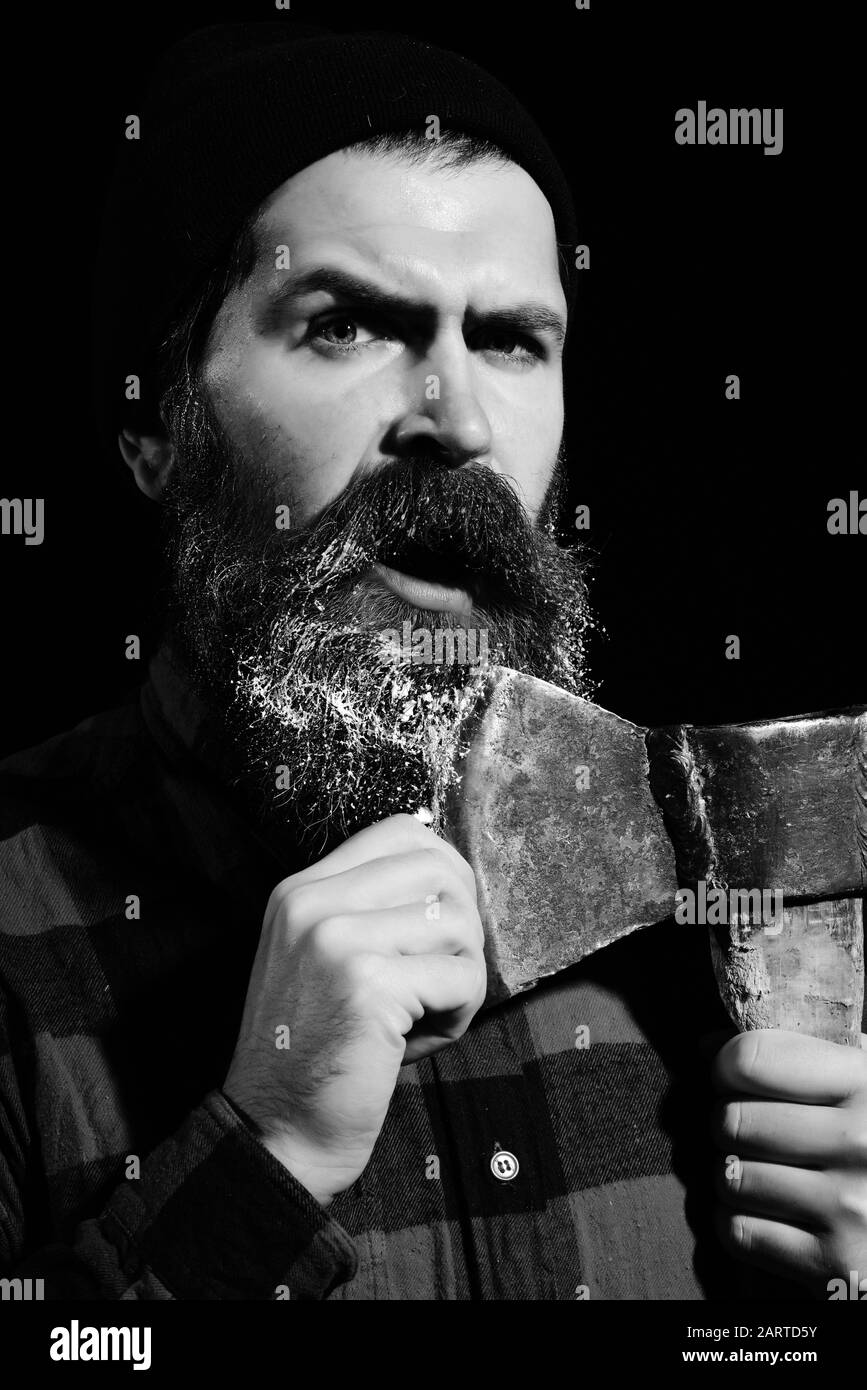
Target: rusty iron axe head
[581,827]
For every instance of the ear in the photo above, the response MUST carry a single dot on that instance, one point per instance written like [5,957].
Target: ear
[151,458]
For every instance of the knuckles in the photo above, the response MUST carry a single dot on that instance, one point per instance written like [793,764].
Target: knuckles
[326,938]
[362,976]
[728,1124]
[293,903]
[851,1204]
[740,1060]
[450,869]
[289,903]
[730,1187]
[735,1231]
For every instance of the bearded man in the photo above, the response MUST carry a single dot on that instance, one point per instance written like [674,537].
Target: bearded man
[244,1054]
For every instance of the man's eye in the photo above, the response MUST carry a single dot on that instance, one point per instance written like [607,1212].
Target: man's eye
[342,333]
[513,346]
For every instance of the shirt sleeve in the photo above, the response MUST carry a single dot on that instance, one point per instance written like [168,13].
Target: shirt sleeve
[212,1215]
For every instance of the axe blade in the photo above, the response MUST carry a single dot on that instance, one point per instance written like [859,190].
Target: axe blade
[581,826]
[560,872]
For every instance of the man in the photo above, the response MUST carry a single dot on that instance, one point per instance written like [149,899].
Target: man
[243,1051]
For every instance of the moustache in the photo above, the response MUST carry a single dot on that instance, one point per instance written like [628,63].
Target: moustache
[464,526]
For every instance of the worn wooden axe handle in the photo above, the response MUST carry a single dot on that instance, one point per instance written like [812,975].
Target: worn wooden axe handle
[776,803]
[806,976]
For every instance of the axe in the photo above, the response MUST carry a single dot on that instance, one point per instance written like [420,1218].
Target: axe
[582,827]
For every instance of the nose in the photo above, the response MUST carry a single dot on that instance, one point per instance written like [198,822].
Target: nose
[443,417]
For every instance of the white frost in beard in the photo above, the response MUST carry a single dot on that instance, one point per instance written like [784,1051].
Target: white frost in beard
[364,710]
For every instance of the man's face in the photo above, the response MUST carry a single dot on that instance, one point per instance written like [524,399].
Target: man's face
[370,442]
[461,357]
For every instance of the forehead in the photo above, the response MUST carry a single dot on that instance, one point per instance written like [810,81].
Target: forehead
[483,229]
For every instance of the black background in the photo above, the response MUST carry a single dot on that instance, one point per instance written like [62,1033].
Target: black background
[708,516]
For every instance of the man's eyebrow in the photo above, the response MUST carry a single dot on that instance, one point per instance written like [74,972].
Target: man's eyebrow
[526,318]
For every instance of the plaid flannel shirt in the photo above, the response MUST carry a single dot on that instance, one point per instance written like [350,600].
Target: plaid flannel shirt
[126,1173]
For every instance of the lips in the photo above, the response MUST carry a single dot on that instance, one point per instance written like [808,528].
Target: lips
[428,594]
[444,567]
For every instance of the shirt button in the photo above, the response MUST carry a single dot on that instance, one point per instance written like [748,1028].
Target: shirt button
[504,1165]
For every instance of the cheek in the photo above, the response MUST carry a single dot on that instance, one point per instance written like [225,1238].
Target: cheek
[290,399]
[285,429]
[531,439]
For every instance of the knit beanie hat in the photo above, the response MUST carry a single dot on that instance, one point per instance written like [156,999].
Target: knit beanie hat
[232,113]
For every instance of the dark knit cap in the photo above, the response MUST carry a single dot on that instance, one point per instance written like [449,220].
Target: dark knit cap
[232,113]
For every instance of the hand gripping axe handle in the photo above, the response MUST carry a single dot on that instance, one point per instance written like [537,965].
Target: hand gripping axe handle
[581,828]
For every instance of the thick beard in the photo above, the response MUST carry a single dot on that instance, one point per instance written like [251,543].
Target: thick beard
[326,727]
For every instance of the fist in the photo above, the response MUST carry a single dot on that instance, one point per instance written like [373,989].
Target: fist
[791,1127]
[368,959]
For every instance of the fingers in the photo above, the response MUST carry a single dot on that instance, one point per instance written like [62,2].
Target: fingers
[396,835]
[444,991]
[786,1066]
[774,1246]
[413,930]
[793,1133]
[423,875]
[814,1135]
[444,984]
[798,1196]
